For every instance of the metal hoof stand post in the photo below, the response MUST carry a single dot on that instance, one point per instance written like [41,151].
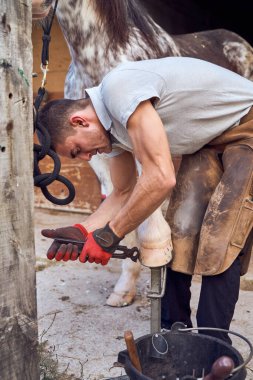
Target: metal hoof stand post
[157,289]
[182,354]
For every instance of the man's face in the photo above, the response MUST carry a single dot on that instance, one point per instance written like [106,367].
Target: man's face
[89,138]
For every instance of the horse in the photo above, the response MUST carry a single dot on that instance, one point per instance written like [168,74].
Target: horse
[100,35]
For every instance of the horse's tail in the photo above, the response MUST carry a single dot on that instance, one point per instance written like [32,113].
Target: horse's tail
[123,16]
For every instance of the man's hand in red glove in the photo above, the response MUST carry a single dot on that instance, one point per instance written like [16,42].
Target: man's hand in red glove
[93,252]
[69,251]
[99,246]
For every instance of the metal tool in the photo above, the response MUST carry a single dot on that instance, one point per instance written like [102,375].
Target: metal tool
[122,252]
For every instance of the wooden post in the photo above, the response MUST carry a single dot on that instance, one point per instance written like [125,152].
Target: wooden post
[18,324]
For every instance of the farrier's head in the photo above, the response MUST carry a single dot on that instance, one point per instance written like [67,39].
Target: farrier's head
[74,128]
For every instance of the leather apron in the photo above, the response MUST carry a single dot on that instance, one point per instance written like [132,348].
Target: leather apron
[211,208]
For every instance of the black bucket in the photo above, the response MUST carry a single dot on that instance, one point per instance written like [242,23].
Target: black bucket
[182,354]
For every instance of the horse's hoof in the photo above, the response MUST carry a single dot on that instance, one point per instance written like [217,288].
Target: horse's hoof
[120,299]
[156,254]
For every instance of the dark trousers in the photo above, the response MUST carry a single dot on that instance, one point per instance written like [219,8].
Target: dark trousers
[218,297]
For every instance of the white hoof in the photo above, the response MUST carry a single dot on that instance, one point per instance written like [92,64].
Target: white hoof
[121,299]
[155,240]
[156,255]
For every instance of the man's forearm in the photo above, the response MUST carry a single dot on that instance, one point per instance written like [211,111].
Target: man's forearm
[147,196]
[106,211]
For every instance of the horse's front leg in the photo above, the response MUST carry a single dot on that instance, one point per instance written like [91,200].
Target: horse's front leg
[125,289]
[100,165]
[154,237]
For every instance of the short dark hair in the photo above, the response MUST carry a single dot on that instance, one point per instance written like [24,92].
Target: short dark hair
[54,116]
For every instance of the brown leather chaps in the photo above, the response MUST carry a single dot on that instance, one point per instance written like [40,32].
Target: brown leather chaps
[211,208]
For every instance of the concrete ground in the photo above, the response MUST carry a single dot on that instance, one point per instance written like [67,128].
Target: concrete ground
[80,333]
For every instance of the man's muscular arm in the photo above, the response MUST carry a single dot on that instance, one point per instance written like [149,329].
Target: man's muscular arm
[151,148]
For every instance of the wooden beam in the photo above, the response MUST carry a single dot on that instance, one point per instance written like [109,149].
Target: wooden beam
[18,323]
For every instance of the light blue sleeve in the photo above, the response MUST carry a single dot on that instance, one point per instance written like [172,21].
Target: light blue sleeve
[124,90]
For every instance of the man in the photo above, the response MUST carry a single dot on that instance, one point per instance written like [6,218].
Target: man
[149,111]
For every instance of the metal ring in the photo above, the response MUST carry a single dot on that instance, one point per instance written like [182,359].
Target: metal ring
[44,71]
[159,352]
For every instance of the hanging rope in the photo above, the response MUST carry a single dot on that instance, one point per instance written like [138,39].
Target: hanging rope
[43,180]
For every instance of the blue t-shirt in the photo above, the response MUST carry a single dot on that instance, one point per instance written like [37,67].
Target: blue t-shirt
[196,100]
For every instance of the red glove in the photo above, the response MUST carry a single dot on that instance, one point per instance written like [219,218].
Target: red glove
[68,251]
[100,245]
[94,252]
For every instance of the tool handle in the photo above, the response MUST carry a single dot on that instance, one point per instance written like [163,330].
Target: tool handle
[221,369]
[132,350]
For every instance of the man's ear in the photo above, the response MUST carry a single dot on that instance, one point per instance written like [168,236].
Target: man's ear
[78,120]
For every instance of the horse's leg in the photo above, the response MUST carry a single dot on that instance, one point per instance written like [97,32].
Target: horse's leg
[154,237]
[100,165]
[155,242]
[125,288]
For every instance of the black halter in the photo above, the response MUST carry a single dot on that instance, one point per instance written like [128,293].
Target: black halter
[40,151]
